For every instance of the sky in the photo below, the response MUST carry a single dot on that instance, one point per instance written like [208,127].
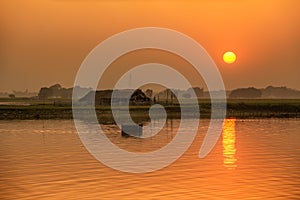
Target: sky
[43,42]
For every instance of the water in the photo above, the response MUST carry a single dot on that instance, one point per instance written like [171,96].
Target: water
[254,159]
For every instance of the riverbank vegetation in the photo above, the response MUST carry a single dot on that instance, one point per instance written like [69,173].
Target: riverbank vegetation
[238,108]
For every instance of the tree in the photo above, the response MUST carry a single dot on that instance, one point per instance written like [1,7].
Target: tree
[149,93]
[250,92]
[44,93]
[12,96]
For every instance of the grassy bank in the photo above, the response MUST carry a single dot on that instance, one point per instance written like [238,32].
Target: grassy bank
[238,108]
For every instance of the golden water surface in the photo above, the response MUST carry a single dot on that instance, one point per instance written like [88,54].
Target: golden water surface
[253,159]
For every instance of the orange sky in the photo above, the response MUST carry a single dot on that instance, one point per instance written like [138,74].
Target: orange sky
[43,42]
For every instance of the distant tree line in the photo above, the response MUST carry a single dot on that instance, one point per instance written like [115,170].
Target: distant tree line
[268,92]
[250,93]
[55,91]
[170,96]
[104,97]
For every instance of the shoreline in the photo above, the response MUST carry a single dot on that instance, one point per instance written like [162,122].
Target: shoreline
[236,108]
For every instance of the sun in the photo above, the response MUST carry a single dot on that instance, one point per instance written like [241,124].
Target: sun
[229,57]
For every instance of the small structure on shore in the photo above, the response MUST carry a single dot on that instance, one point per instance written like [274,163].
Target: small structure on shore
[132,130]
[104,97]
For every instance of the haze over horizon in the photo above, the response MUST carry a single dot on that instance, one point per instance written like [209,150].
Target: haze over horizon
[45,42]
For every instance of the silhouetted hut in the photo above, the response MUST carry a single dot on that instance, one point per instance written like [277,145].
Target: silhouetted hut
[103,97]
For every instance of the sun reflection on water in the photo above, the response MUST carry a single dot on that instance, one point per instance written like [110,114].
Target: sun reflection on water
[228,141]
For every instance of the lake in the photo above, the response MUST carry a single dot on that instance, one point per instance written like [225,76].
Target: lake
[253,159]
